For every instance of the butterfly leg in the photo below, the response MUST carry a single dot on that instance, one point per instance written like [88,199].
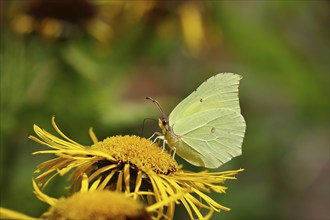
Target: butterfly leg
[157,138]
[155,133]
[174,151]
[160,136]
[164,142]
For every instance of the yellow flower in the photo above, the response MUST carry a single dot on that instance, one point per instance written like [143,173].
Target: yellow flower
[88,203]
[10,214]
[135,166]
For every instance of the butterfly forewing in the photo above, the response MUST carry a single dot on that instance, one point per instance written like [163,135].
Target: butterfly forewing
[219,91]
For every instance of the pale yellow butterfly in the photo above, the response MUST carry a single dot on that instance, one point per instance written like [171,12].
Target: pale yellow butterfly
[206,128]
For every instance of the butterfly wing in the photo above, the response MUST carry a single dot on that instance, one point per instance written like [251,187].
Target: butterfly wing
[219,91]
[209,122]
[210,138]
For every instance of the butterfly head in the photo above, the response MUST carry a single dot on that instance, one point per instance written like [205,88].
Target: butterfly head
[163,123]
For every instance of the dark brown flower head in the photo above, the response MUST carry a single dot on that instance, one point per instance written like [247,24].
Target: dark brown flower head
[73,11]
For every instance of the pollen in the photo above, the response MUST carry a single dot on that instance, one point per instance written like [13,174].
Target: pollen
[138,152]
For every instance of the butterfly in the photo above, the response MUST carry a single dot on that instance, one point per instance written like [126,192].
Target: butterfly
[206,128]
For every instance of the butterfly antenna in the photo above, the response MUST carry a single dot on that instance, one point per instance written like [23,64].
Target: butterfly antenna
[158,106]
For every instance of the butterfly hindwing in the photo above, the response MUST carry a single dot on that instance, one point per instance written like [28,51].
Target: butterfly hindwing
[214,137]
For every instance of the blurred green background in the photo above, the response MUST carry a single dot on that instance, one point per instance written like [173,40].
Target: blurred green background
[92,63]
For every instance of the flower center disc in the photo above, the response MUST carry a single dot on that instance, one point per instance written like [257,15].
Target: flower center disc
[139,152]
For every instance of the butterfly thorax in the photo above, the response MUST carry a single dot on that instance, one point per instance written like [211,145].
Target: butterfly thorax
[167,130]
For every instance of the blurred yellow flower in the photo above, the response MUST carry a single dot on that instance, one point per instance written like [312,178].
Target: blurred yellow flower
[107,21]
[134,166]
[88,203]
[53,19]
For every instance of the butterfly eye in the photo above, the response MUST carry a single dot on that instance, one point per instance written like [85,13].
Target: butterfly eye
[164,121]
